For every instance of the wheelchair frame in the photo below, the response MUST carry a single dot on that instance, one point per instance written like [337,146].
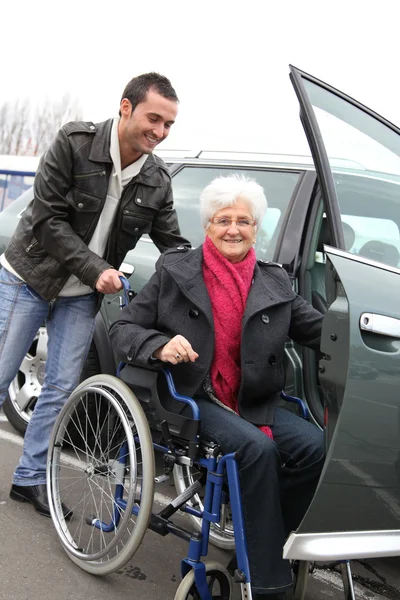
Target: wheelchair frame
[218,468]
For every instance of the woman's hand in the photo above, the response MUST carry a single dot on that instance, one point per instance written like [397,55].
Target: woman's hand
[176,351]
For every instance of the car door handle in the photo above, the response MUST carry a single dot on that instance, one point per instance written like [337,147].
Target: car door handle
[380,324]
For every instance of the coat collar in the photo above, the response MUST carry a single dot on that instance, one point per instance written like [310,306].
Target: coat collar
[100,152]
[267,290]
[187,272]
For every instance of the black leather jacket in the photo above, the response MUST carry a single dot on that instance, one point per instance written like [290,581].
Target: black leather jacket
[70,189]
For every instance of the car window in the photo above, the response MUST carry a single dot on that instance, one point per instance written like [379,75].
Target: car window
[11,187]
[189,182]
[375,238]
[364,155]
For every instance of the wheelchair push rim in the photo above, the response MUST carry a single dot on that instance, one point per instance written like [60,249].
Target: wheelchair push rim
[106,480]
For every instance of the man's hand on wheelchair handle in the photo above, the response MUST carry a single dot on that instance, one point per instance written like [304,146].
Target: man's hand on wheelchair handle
[109,281]
[176,351]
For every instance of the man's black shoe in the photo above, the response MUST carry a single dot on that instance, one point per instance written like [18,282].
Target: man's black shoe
[37,496]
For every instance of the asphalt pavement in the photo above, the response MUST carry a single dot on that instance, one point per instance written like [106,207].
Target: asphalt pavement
[35,567]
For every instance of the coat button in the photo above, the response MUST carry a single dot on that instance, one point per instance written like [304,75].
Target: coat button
[193,313]
[265,318]
[136,229]
[272,359]
[126,212]
[92,127]
[139,200]
[80,205]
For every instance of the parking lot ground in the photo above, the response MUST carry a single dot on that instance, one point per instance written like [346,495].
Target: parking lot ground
[35,567]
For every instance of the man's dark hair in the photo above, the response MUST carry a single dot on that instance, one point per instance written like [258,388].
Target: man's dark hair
[136,90]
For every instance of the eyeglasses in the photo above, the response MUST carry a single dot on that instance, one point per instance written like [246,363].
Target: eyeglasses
[225,222]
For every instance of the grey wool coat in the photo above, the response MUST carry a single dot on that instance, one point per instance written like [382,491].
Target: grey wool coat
[175,301]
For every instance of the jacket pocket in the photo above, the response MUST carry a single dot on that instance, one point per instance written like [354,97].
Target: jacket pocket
[84,208]
[36,253]
[136,224]
[83,202]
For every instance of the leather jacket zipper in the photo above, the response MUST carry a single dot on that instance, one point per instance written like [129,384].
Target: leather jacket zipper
[31,245]
[83,175]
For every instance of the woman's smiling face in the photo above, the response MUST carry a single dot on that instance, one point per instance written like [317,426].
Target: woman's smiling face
[234,238]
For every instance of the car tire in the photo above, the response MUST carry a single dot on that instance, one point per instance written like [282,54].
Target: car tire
[36,356]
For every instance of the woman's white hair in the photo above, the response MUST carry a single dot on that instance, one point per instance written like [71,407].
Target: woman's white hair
[225,190]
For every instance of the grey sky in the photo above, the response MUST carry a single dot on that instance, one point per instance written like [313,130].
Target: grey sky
[227,60]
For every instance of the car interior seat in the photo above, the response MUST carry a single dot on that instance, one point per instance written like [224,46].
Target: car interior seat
[381,252]
[318,272]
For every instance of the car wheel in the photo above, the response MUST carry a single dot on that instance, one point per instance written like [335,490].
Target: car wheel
[26,386]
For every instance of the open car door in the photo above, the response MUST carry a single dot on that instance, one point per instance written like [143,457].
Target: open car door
[355,512]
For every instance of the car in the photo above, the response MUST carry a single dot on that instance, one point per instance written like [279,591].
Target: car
[333,223]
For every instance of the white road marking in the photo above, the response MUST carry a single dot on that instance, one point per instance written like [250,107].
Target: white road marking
[11,437]
[73,462]
[334,579]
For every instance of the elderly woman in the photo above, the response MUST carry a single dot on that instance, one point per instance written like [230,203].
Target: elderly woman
[221,318]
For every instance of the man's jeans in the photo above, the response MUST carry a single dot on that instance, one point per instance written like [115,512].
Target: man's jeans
[277,479]
[70,327]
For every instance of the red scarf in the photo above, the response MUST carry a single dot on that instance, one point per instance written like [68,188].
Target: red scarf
[228,286]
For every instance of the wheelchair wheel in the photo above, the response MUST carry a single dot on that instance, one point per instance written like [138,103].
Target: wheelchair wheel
[301,571]
[107,483]
[218,580]
[221,534]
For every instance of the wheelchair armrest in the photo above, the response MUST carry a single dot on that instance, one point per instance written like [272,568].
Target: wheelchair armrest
[179,398]
[300,403]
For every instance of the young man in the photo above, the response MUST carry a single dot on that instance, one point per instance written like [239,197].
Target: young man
[97,190]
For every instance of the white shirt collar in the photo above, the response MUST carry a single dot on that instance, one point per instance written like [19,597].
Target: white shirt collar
[123,176]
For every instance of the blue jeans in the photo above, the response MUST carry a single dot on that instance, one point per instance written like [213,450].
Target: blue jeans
[70,330]
[277,479]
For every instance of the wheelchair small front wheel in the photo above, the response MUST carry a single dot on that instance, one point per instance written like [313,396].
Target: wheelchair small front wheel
[219,583]
[101,466]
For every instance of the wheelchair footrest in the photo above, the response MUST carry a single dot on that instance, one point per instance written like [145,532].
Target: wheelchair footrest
[161,478]
[181,499]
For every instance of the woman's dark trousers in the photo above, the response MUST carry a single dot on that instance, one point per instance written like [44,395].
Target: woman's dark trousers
[278,479]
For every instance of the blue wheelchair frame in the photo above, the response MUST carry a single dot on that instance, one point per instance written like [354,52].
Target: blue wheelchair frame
[219,469]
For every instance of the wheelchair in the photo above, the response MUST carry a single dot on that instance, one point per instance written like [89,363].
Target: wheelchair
[101,465]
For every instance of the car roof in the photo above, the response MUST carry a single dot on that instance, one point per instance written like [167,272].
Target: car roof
[222,157]
[253,159]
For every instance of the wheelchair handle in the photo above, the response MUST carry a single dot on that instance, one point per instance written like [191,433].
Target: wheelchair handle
[126,287]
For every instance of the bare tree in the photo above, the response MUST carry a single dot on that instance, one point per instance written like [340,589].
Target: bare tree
[29,130]
[18,135]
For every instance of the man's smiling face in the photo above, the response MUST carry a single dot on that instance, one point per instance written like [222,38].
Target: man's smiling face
[149,124]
